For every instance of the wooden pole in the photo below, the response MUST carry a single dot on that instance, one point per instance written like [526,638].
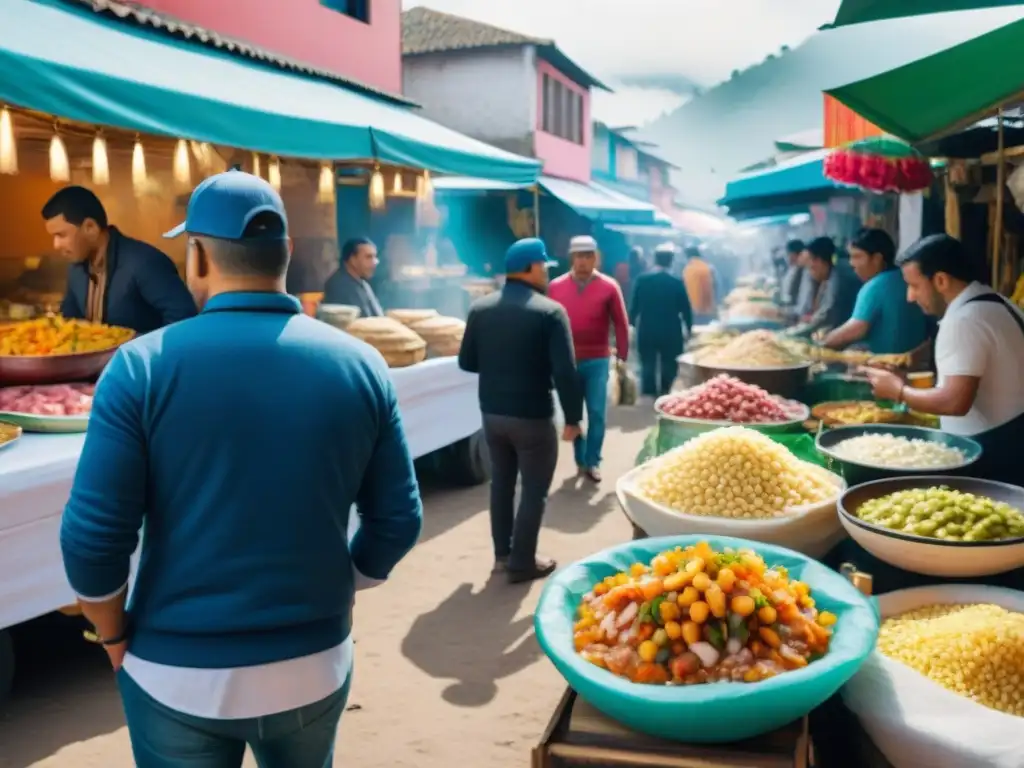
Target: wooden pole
[997,247]
[536,210]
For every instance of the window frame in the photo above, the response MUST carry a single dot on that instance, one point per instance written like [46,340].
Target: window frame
[562,110]
[357,10]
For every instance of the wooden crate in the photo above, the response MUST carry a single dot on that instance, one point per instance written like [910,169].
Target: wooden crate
[578,735]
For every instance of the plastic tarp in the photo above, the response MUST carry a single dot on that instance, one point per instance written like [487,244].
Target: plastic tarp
[935,94]
[599,203]
[859,11]
[82,65]
[801,174]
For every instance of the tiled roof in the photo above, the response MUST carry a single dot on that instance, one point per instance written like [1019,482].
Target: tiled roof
[137,14]
[426,31]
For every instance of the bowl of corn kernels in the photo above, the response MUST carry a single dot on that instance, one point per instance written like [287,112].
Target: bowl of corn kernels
[735,481]
[945,684]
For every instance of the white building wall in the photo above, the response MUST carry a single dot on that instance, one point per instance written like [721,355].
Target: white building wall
[489,95]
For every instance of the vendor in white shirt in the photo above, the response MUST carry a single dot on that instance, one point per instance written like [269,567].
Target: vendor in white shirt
[979,355]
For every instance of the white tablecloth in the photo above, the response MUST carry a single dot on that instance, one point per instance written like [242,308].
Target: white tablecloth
[439,407]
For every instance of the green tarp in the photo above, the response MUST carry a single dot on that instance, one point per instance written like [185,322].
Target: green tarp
[858,11]
[82,65]
[930,96]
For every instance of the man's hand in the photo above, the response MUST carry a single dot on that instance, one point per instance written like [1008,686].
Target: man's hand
[116,654]
[571,432]
[884,384]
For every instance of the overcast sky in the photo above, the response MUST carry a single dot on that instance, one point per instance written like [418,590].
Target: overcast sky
[702,39]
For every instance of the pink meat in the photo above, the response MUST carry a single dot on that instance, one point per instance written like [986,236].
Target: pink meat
[48,400]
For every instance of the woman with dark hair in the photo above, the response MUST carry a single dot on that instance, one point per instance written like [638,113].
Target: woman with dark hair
[882,318]
[979,355]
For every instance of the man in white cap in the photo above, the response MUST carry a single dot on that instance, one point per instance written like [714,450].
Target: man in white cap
[594,304]
[659,309]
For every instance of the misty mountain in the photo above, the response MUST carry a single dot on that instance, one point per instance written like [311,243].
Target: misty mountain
[665,81]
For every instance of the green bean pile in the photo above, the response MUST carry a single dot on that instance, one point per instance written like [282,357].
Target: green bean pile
[942,513]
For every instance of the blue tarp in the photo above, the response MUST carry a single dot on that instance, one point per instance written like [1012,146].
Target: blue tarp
[801,174]
[599,203]
[82,65]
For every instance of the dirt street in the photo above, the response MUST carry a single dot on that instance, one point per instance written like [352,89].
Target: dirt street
[446,663]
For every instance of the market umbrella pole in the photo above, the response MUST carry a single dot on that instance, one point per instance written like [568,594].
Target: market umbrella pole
[997,247]
[536,210]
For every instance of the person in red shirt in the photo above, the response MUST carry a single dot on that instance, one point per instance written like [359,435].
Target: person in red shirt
[594,304]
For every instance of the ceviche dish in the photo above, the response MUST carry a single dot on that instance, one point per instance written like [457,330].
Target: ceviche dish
[693,615]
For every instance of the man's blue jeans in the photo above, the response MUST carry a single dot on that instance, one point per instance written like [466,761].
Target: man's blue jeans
[163,738]
[594,383]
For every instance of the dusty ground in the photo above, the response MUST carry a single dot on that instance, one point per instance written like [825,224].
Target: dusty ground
[446,663]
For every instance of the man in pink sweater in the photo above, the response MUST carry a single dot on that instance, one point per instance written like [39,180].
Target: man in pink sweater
[594,304]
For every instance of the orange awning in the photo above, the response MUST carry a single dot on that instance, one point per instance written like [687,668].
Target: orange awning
[843,125]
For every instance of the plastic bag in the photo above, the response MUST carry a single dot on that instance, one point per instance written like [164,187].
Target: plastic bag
[914,721]
[660,441]
[719,712]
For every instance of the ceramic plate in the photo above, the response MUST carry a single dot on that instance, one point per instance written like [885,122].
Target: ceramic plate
[47,424]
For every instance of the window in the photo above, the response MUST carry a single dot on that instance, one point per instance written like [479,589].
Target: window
[357,9]
[562,109]
[626,163]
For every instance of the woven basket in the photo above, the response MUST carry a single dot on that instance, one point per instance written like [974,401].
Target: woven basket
[398,345]
[411,316]
[442,334]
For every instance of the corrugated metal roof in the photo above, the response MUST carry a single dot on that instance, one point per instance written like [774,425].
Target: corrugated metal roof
[137,14]
[426,31]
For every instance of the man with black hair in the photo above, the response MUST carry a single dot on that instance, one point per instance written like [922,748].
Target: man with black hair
[882,318]
[238,630]
[979,355]
[789,287]
[659,310]
[837,288]
[350,282]
[113,278]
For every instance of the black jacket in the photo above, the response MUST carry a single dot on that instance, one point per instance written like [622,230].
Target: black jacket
[660,308]
[518,341]
[144,290]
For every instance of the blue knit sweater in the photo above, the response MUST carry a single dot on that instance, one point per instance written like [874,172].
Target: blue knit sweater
[240,439]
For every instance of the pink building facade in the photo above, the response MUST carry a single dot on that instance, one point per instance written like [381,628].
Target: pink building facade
[357,39]
[563,133]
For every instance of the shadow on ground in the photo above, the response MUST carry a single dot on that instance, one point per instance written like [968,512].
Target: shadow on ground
[474,639]
[64,692]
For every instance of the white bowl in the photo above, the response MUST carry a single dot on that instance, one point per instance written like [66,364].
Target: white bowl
[933,557]
[812,530]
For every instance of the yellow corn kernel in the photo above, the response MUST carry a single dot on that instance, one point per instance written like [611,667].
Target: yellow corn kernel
[673,629]
[691,632]
[648,650]
[688,597]
[826,618]
[669,611]
[699,612]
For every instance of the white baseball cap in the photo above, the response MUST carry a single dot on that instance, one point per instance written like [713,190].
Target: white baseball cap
[666,248]
[582,244]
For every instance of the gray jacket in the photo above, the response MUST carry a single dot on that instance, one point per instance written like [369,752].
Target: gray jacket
[343,288]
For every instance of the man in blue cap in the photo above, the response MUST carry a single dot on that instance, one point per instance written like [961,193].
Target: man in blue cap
[518,341]
[239,440]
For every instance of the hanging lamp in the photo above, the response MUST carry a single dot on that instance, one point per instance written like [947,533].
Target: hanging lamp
[398,189]
[256,170]
[8,146]
[182,167]
[138,167]
[60,169]
[325,189]
[274,173]
[100,161]
[378,198]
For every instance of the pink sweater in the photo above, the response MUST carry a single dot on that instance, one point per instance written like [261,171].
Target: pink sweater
[592,310]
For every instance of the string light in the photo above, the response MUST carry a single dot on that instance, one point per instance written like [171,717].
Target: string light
[256,170]
[182,167]
[8,147]
[424,187]
[398,183]
[138,167]
[274,173]
[60,169]
[325,190]
[100,161]
[377,197]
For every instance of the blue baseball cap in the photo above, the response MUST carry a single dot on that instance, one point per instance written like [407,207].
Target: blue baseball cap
[223,206]
[523,254]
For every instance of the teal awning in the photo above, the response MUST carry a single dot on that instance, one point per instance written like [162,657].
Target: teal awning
[75,63]
[469,184]
[860,11]
[801,174]
[599,203]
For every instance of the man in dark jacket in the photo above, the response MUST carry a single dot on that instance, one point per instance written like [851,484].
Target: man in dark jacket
[113,278]
[519,343]
[350,283]
[659,310]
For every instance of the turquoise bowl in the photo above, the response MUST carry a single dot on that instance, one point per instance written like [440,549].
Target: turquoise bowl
[715,712]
